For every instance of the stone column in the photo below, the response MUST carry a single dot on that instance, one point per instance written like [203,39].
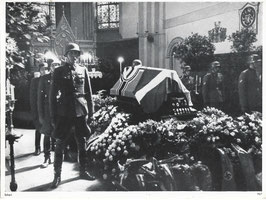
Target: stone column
[152,34]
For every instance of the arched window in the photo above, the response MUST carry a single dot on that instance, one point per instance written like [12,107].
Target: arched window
[107,15]
[175,62]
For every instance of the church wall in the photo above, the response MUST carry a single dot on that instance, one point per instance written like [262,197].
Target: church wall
[202,20]
[128,19]
[184,18]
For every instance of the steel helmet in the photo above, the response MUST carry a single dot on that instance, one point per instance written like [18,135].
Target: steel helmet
[253,58]
[187,67]
[215,64]
[72,47]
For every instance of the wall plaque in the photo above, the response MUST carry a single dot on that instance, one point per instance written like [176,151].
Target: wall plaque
[248,16]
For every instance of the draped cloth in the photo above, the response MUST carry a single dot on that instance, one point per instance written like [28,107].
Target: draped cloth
[150,87]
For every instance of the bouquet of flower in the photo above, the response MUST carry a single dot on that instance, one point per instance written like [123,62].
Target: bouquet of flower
[250,136]
[173,137]
[101,100]
[99,148]
[250,130]
[212,111]
[120,142]
[102,119]
[212,128]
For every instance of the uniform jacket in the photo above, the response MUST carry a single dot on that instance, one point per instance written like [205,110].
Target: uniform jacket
[188,82]
[212,89]
[250,91]
[33,102]
[71,94]
[43,104]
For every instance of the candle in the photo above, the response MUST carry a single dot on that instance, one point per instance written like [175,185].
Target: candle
[196,79]
[7,87]
[12,88]
[199,80]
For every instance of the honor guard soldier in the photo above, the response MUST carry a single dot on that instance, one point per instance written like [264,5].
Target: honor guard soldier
[44,112]
[250,85]
[213,87]
[71,104]
[34,108]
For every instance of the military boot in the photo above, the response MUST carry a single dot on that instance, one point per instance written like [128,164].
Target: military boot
[57,170]
[84,173]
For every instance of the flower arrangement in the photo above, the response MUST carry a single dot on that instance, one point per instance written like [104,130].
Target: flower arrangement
[249,127]
[173,137]
[101,100]
[212,128]
[102,119]
[99,149]
[145,139]
[118,141]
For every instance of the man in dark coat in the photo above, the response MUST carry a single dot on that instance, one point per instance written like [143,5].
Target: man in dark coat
[33,106]
[250,86]
[44,112]
[213,87]
[70,104]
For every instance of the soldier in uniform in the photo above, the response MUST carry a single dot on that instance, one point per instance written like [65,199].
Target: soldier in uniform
[213,87]
[33,106]
[250,86]
[190,83]
[71,104]
[44,112]
[188,80]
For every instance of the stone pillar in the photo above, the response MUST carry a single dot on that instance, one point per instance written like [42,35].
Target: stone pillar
[151,34]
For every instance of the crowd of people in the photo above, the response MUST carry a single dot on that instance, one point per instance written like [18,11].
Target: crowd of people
[213,86]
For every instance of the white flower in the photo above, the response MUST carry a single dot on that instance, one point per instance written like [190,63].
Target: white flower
[232,134]
[226,132]
[170,134]
[251,124]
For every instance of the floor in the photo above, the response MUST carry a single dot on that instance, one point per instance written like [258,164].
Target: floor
[31,177]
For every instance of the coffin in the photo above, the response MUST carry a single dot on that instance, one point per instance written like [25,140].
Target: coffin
[150,87]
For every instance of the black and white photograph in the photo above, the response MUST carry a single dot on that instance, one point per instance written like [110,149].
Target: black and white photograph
[161,99]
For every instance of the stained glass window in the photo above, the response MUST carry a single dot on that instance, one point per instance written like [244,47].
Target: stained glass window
[107,15]
[49,8]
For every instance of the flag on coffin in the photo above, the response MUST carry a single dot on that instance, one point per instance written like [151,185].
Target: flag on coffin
[149,86]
